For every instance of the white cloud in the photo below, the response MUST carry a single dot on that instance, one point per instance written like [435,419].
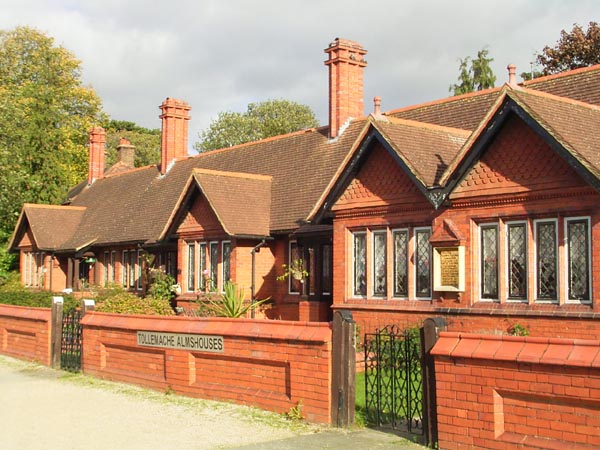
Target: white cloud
[221,54]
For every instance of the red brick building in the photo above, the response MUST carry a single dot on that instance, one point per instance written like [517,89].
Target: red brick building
[481,207]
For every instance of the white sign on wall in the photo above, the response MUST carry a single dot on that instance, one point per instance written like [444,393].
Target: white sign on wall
[198,342]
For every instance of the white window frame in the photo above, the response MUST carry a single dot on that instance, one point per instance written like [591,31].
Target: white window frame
[216,280]
[393,256]
[555,301]
[506,270]
[566,260]
[139,271]
[416,230]
[352,266]
[125,269]
[188,245]
[371,286]
[480,227]
[222,271]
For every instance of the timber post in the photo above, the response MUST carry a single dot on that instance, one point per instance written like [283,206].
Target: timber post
[56,331]
[429,336]
[343,369]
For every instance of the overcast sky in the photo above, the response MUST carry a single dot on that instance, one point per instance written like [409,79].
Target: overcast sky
[223,54]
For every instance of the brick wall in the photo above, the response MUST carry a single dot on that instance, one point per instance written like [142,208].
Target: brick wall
[268,364]
[25,333]
[548,322]
[511,392]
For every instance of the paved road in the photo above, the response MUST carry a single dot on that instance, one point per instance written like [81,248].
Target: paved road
[45,409]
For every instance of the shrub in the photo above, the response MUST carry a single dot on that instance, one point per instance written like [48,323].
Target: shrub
[12,292]
[162,285]
[117,300]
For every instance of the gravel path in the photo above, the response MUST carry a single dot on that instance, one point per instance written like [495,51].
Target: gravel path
[45,409]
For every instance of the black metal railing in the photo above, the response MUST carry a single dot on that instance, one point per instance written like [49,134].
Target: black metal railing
[393,379]
[70,347]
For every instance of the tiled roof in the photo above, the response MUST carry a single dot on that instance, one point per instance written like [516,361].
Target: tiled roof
[463,111]
[52,226]
[241,202]
[580,84]
[575,125]
[141,201]
[137,205]
[427,149]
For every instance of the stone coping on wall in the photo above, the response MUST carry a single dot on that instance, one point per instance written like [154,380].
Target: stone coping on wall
[551,351]
[26,312]
[570,311]
[246,328]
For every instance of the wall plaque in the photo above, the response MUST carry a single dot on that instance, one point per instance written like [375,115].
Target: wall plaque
[449,269]
[198,342]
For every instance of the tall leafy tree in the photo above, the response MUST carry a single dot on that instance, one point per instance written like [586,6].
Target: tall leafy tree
[574,49]
[45,115]
[259,121]
[146,142]
[474,74]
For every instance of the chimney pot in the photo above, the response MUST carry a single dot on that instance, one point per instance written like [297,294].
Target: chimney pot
[512,74]
[97,141]
[346,63]
[377,106]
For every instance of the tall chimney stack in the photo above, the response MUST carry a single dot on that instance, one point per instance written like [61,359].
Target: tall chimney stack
[346,62]
[96,160]
[126,152]
[512,75]
[175,117]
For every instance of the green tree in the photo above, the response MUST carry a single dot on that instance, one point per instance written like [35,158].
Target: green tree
[146,141]
[259,121]
[474,74]
[574,49]
[45,115]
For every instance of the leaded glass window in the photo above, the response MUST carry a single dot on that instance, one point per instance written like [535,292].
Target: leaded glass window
[400,263]
[214,264]
[226,262]
[124,267]
[296,251]
[489,261]
[132,259]
[546,253]
[379,263]
[360,264]
[579,268]
[517,261]
[191,267]
[202,265]
[140,270]
[106,268]
[423,263]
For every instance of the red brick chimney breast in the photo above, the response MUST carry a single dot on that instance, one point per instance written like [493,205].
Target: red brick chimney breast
[175,117]
[97,142]
[346,62]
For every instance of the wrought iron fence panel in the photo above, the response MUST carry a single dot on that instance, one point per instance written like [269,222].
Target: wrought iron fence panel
[393,379]
[70,348]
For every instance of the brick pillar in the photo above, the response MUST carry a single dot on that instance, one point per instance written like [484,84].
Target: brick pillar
[346,63]
[175,117]
[96,159]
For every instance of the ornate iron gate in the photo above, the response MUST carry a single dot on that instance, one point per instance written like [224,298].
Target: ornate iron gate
[393,379]
[70,346]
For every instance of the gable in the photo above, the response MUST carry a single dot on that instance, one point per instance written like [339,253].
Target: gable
[379,182]
[27,240]
[517,161]
[200,220]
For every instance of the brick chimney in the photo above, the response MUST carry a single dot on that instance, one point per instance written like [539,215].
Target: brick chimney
[346,63]
[96,160]
[175,117]
[126,152]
